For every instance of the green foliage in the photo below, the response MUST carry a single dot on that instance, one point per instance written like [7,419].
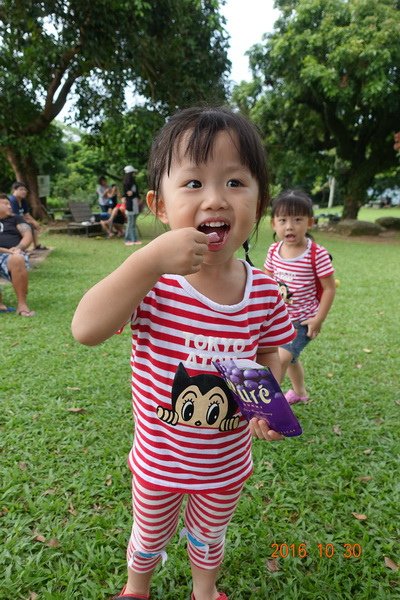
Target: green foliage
[330,81]
[65,487]
[126,139]
[77,180]
[172,52]
[99,47]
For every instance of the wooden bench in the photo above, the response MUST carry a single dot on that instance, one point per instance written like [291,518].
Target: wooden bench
[83,220]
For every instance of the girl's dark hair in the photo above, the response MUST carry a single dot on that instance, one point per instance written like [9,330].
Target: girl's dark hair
[292,203]
[203,125]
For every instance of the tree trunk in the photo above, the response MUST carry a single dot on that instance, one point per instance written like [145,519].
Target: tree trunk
[358,181]
[25,170]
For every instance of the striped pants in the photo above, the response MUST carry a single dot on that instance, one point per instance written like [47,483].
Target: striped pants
[156,515]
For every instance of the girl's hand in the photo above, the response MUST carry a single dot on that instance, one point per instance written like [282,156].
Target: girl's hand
[313,327]
[180,251]
[260,429]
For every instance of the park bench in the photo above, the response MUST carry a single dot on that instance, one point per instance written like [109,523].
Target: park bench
[330,217]
[83,220]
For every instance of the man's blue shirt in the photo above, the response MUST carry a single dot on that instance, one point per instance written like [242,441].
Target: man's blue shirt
[17,209]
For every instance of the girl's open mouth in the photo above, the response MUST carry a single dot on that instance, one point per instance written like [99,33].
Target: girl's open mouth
[219,229]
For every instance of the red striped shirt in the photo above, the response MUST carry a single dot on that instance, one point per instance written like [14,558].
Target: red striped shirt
[176,324]
[299,277]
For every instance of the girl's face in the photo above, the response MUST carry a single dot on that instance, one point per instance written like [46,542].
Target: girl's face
[219,196]
[292,229]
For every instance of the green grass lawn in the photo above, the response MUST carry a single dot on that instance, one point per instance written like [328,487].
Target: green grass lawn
[365,213]
[66,429]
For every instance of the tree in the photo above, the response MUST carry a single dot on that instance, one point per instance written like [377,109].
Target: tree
[173,52]
[330,90]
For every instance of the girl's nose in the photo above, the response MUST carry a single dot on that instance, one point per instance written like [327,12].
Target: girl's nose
[214,199]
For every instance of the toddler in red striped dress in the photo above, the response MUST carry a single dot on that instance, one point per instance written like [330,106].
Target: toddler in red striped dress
[191,302]
[304,273]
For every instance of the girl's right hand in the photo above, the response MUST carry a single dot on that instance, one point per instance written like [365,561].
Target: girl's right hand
[180,251]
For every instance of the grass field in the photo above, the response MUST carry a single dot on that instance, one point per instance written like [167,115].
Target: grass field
[66,429]
[365,213]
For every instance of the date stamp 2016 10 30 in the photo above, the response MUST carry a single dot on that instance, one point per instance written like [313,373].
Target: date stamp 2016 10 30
[328,550]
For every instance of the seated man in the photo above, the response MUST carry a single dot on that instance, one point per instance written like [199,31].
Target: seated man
[20,206]
[15,237]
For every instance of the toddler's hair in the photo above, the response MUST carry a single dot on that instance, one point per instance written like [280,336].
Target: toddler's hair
[202,124]
[292,202]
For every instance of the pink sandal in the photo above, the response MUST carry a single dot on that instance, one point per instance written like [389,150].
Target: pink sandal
[293,398]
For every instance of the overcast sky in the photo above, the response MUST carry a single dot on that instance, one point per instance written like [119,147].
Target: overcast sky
[247,20]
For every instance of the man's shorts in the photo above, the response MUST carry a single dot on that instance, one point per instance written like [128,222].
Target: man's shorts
[4,272]
[296,346]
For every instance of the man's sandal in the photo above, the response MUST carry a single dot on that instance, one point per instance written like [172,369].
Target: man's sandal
[26,313]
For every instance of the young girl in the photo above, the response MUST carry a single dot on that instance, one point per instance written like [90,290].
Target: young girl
[301,268]
[191,302]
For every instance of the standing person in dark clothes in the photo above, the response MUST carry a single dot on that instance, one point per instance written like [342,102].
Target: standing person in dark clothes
[132,205]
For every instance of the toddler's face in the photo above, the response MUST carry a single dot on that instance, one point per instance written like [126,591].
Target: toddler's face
[292,229]
[220,195]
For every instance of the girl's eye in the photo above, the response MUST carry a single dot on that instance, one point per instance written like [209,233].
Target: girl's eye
[233,183]
[193,184]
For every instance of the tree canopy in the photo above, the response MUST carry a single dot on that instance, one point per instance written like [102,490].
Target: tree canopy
[172,52]
[326,92]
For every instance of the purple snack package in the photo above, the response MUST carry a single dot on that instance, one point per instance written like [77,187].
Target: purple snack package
[257,394]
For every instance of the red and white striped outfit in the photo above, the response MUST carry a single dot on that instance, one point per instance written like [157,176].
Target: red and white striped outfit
[206,518]
[176,324]
[299,277]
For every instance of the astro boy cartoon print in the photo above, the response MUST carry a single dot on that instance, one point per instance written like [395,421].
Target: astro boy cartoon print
[284,292]
[201,401]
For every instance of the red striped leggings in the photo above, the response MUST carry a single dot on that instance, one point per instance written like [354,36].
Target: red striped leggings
[156,515]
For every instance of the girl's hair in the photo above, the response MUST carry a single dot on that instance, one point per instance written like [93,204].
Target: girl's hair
[202,124]
[290,203]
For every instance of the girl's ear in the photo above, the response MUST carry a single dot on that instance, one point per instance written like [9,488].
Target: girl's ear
[156,206]
[311,222]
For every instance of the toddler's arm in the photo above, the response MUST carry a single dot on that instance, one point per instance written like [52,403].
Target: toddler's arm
[110,303]
[328,294]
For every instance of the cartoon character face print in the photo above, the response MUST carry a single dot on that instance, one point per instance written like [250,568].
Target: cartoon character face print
[200,401]
[284,292]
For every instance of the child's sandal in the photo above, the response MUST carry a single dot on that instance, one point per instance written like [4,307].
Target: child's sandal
[123,596]
[222,596]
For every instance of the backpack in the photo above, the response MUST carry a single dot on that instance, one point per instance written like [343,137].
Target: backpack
[313,251]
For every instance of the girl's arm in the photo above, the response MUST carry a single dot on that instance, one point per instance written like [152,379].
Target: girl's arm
[269,357]
[328,295]
[110,303]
